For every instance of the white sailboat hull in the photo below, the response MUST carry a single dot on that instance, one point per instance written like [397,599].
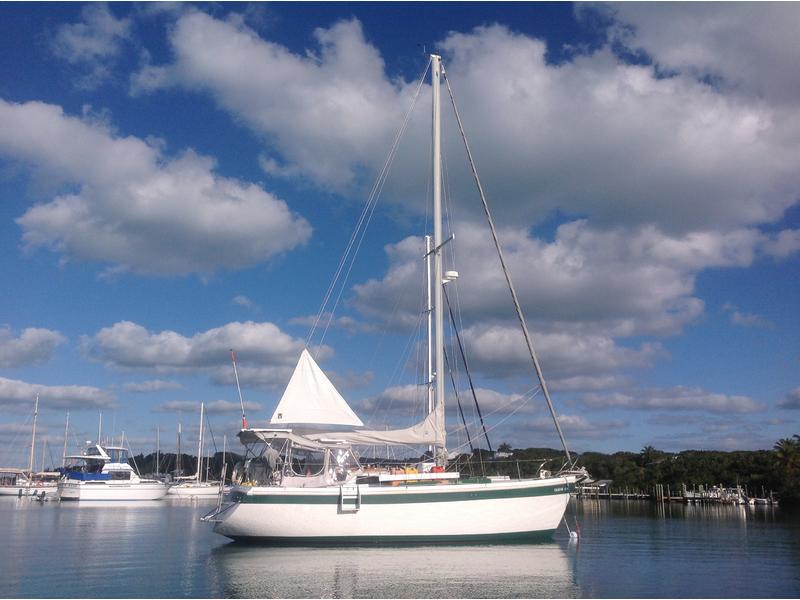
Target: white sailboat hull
[194,490]
[107,490]
[27,490]
[503,510]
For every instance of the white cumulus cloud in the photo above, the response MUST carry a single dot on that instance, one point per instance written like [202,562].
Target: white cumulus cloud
[136,209]
[33,346]
[19,395]
[265,354]
[93,44]
[676,398]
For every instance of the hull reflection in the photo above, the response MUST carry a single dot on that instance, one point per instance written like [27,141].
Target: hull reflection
[541,570]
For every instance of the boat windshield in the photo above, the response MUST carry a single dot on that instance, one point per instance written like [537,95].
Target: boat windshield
[307,463]
[117,455]
[8,478]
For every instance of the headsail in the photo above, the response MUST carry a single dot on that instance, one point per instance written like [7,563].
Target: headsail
[311,398]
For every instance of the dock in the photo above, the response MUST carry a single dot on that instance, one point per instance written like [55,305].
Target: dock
[717,494]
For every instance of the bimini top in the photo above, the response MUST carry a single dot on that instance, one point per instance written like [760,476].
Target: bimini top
[310,398]
[270,435]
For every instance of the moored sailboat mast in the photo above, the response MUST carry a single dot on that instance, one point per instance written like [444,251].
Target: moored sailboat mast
[33,434]
[438,272]
[200,446]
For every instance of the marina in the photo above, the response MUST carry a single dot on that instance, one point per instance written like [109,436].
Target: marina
[406,224]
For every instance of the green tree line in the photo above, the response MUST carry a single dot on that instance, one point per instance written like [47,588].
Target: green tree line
[776,470]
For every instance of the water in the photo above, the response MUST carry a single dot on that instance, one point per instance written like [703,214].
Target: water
[633,549]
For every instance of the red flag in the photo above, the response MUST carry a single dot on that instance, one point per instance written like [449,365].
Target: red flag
[244,423]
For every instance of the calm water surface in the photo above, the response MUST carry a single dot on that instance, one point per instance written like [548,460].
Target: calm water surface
[628,549]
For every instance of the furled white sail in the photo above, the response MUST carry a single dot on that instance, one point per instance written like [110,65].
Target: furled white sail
[424,432]
[311,398]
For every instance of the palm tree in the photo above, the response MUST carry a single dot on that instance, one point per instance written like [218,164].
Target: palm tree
[648,455]
[787,453]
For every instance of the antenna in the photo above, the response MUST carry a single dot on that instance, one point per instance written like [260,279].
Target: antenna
[238,388]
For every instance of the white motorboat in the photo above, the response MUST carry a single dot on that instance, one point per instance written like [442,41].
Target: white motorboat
[297,486]
[103,473]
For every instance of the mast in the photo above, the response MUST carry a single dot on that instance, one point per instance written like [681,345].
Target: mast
[200,446]
[429,319]
[66,432]
[158,450]
[100,427]
[33,434]
[238,388]
[224,450]
[178,465]
[438,275]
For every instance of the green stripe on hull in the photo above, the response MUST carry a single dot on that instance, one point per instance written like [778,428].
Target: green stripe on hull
[407,498]
[519,537]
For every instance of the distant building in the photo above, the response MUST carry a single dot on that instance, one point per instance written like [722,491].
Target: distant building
[591,487]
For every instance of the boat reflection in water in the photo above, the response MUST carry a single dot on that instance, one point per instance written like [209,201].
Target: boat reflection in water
[506,571]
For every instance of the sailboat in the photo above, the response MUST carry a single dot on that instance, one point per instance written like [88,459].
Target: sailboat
[195,487]
[300,486]
[20,482]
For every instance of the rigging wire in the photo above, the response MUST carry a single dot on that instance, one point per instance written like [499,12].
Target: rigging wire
[362,224]
[517,307]
[512,413]
[458,401]
[466,368]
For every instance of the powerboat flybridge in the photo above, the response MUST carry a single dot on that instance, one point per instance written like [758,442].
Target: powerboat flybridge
[103,473]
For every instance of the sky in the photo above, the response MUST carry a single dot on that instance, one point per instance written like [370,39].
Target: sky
[179,180]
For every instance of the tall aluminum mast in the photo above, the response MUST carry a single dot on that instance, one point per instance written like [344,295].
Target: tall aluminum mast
[33,435]
[200,445]
[66,433]
[429,321]
[438,274]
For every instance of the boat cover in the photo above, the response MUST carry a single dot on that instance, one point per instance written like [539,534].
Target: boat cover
[424,432]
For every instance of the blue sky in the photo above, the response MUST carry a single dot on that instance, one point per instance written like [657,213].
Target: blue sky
[177,180]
